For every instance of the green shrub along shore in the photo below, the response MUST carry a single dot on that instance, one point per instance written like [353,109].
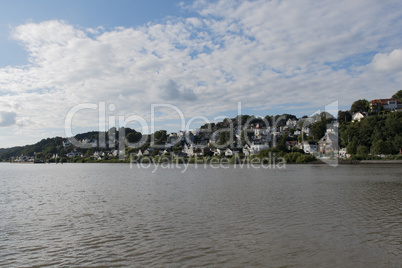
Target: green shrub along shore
[264,156]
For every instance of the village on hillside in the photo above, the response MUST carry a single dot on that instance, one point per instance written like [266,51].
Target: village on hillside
[319,135]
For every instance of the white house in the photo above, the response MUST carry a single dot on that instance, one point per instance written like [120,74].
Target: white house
[219,152]
[357,117]
[173,139]
[333,128]
[228,152]
[143,152]
[255,148]
[291,123]
[66,143]
[328,143]
[291,144]
[343,154]
[386,104]
[306,130]
[74,153]
[189,150]
[196,131]
[310,147]
[246,150]
[261,134]
[231,152]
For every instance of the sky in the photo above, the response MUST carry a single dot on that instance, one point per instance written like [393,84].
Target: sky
[77,64]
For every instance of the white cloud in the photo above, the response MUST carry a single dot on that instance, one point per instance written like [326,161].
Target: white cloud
[388,61]
[262,53]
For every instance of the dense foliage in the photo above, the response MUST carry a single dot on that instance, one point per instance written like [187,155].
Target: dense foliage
[376,134]
[46,148]
[360,106]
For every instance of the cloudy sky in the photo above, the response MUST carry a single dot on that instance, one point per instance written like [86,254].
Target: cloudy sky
[202,57]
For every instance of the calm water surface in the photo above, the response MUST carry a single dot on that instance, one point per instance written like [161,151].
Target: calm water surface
[92,215]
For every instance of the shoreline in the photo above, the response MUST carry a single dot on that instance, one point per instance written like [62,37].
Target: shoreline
[318,161]
[368,162]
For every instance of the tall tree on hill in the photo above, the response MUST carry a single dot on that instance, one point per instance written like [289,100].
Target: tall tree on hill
[319,127]
[160,137]
[360,106]
[398,95]
[134,137]
[344,116]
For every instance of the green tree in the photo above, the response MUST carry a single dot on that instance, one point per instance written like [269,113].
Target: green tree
[40,156]
[281,143]
[381,147]
[134,137]
[246,136]
[398,95]
[360,106]
[398,143]
[304,138]
[209,126]
[129,150]
[318,129]
[89,153]
[362,150]
[177,148]
[160,137]
[344,116]
[351,148]
[393,124]
[224,137]
[155,153]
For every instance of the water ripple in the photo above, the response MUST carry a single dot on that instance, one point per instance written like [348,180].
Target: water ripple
[112,216]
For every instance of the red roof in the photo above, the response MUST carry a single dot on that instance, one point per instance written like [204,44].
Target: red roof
[382,101]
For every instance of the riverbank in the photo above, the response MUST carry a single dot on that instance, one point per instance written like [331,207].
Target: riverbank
[364,162]
[381,162]
[318,161]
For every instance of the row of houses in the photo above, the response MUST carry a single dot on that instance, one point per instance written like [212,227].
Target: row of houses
[377,106]
[261,137]
[199,142]
[385,104]
[23,159]
[328,143]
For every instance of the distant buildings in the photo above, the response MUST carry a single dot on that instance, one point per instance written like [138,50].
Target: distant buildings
[310,147]
[357,117]
[385,104]
[328,143]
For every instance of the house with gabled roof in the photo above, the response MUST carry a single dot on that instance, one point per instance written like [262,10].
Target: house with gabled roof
[328,143]
[356,117]
[385,104]
[310,147]
[291,144]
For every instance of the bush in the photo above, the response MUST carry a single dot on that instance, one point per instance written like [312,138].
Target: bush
[358,157]
[179,160]
[292,157]
[398,157]
[306,158]
[362,150]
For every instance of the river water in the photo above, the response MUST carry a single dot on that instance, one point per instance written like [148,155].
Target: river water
[114,215]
